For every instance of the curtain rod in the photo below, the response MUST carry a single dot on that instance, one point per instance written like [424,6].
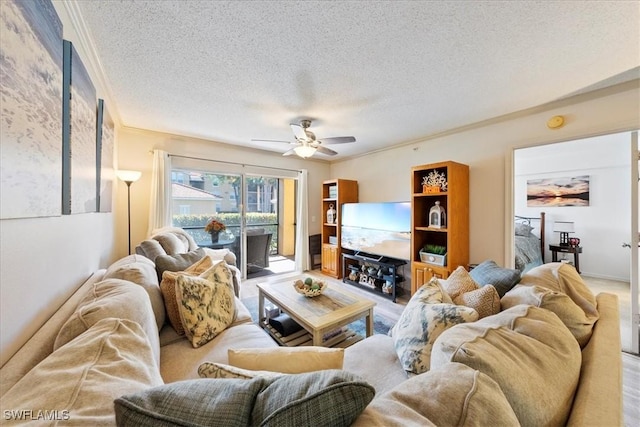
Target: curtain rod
[233,163]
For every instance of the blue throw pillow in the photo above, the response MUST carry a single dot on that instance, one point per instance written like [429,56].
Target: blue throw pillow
[490,273]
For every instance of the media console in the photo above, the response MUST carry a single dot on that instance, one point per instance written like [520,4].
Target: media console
[373,273]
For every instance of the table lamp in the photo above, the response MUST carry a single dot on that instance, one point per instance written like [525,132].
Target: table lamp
[564,228]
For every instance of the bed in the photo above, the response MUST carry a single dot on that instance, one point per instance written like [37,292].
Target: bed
[529,242]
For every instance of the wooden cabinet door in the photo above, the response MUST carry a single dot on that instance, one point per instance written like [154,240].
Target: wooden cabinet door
[330,260]
[422,273]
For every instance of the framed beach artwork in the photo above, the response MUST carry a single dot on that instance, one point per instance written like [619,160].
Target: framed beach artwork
[556,192]
[31,93]
[105,175]
[79,193]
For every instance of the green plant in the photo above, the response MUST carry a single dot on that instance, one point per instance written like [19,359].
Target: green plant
[434,249]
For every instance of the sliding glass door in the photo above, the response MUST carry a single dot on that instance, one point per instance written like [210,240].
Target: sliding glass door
[258,212]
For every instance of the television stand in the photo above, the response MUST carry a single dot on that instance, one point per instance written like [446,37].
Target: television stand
[374,273]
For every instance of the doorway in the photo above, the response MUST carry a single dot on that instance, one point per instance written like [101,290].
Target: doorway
[605,225]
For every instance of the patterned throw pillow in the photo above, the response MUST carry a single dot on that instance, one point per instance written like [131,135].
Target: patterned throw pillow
[206,307]
[220,370]
[458,283]
[168,288]
[484,300]
[422,321]
[490,273]
[324,398]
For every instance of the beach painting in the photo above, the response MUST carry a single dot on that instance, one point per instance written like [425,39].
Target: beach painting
[31,93]
[104,157]
[556,192]
[79,136]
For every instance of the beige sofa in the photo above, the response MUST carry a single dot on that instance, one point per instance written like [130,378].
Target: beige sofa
[83,391]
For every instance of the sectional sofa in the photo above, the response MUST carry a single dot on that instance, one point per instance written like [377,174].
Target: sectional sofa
[520,366]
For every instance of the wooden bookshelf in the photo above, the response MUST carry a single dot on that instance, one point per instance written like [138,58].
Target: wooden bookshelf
[346,191]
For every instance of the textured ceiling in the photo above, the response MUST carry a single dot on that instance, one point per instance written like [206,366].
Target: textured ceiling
[385,72]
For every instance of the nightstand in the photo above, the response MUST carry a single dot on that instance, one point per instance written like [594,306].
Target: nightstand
[575,250]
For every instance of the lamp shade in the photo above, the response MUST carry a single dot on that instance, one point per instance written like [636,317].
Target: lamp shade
[304,151]
[563,227]
[129,176]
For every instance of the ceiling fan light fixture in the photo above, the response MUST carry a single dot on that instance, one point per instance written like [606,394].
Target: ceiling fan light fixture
[304,151]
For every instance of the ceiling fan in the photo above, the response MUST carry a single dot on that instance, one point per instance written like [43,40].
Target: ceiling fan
[307,144]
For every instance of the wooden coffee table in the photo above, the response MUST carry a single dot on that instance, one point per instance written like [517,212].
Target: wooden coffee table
[318,315]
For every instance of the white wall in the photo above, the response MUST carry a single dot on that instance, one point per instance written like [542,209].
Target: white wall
[44,260]
[606,222]
[488,150]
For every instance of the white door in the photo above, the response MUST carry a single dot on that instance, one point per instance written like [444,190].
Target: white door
[633,243]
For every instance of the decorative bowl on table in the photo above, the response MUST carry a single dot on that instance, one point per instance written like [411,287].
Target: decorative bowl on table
[309,287]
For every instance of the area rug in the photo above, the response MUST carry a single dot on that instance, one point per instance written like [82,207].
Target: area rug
[381,324]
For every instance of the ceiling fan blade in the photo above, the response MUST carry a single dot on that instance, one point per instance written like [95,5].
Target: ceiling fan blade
[272,140]
[288,153]
[325,150]
[338,140]
[299,132]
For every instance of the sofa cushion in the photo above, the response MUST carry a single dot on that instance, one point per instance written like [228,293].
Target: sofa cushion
[142,273]
[82,378]
[221,370]
[111,298]
[172,243]
[290,360]
[325,398]
[206,307]
[422,321]
[528,351]
[168,288]
[177,262]
[571,315]
[470,397]
[485,300]
[490,273]
[563,277]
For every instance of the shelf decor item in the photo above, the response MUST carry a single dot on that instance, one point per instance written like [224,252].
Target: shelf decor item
[434,182]
[309,287]
[437,216]
[434,254]
[331,214]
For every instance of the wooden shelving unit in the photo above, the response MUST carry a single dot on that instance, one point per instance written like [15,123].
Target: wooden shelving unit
[346,191]
[454,236]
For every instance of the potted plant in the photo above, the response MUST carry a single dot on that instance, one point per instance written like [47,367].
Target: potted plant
[434,254]
[214,227]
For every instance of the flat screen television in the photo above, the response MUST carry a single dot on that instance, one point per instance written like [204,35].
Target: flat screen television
[379,229]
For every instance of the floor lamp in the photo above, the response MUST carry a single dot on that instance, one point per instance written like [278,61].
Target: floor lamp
[129,177]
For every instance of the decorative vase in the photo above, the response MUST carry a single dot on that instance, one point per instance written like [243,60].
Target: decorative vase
[215,235]
[331,214]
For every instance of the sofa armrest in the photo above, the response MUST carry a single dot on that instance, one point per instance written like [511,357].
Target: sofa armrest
[598,399]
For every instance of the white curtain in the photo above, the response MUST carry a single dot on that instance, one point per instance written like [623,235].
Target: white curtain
[160,200]
[302,232]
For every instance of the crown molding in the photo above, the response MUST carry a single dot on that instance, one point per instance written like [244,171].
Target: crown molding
[91,59]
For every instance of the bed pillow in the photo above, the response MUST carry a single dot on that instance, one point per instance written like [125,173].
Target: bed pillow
[206,308]
[538,374]
[490,273]
[469,397]
[289,360]
[168,288]
[523,230]
[424,318]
